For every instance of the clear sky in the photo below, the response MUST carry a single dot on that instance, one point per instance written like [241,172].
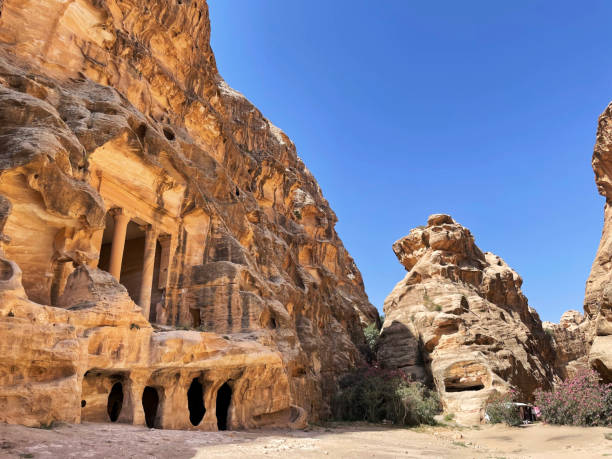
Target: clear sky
[485,110]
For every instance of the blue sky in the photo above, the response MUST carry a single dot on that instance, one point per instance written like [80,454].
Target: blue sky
[483,110]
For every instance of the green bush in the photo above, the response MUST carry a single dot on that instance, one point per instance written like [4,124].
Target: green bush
[372,394]
[372,333]
[419,404]
[366,395]
[501,409]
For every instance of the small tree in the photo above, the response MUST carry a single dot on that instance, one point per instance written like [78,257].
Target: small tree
[419,404]
[501,409]
[373,394]
[368,394]
[372,333]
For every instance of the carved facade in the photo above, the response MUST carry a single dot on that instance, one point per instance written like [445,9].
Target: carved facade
[167,258]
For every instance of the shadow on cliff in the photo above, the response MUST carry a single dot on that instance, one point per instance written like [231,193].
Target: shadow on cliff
[399,348]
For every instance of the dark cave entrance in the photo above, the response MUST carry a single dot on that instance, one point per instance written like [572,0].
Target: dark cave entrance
[115,402]
[224,399]
[196,319]
[195,402]
[107,243]
[150,403]
[456,385]
[474,387]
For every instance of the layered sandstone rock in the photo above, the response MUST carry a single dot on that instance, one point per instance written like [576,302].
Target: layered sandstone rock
[583,341]
[598,297]
[571,339]
[123,151]
[63,363]
[460,321]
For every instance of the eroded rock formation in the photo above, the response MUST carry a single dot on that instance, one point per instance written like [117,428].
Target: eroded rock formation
[132,173]
[460,321]
[585,340]
[571,339]
[598,297]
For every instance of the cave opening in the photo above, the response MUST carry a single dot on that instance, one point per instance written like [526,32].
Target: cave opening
[195,401]
[150,403]
[196,319]
[107,243]
[454,385]
[141,131]
[169,133]
[475,387]
[115,402]
[224,399]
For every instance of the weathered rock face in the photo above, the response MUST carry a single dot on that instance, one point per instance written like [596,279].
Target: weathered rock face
[598,297]
[123,151]
[62,364]
[571,341]
[582,341]
[459,319]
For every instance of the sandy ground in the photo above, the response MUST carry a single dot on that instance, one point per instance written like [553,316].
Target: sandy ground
[344,441]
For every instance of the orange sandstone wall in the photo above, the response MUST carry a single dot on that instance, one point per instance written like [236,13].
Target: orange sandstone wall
[117,105]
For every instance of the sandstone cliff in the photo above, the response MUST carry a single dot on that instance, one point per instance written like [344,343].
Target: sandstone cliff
[122,150]
[571,339]
[459,320]
[598,297]
[583,341]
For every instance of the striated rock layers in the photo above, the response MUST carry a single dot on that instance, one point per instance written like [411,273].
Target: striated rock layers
[586,340]
[598,297]
[571,339]
[460,321]
[167,257]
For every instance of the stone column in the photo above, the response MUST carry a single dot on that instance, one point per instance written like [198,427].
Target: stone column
[164,266]
[148,266]
[132,412]
[121,223]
